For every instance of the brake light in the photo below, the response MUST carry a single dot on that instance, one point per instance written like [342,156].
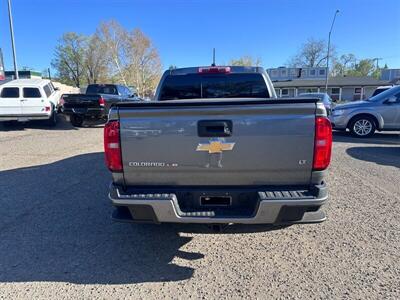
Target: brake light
[47,108]
[112,147]
[322,143]
[102,101]
[215,70]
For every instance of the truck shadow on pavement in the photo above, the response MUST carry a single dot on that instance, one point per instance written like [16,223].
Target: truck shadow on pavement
[388,156]
[378,138]
[62,124]
[56,226]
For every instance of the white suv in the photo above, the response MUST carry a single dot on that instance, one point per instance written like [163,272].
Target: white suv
[29,99]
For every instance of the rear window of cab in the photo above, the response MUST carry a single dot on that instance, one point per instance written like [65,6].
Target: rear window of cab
[108,89]
[190,86]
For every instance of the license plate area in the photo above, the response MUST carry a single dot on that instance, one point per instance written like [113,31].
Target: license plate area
[79,110]
[215,200]
[222,202]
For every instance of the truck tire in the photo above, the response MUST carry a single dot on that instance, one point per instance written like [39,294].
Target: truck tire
[76,120]
[52,121]
[362,126]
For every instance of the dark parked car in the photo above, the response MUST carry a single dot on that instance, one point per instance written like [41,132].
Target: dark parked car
[95,103]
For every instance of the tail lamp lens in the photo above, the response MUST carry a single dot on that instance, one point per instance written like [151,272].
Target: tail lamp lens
[322,143]
[112,146]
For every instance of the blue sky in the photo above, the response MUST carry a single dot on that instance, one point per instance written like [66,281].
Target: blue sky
[186,31]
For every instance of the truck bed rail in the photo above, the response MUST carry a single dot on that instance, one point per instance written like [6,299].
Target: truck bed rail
[212,102]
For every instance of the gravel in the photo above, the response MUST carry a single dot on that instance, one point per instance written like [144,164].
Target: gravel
[57,239]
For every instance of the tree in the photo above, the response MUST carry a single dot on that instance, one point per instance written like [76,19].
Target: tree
[132,56]
[365,67]
[343,64]
[376,73]
[112,54]
[69,58]
[349,65]
[246,61]
[114,37]
[312,54]
[95,61]
[144,67]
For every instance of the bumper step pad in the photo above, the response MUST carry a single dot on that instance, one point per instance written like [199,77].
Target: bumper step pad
[292,194]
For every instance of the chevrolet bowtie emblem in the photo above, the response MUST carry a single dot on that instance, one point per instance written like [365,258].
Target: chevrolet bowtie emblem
[215,147]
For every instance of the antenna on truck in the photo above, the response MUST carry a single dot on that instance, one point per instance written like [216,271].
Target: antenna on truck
[213,63]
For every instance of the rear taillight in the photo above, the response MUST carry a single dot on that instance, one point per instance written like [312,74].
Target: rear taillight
[322,143]
[112,147]
[102,101]
[215,70]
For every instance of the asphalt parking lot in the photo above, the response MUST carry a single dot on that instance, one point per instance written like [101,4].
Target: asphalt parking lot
[57,239]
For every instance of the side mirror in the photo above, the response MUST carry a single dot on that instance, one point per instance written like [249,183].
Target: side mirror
[390,100]
[56,88]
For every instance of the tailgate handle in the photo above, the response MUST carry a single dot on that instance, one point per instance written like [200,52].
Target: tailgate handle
[214,128]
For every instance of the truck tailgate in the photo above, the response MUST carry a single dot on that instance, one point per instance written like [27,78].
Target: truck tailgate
[218,143]
[81,100]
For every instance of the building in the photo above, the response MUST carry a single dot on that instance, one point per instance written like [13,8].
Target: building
[290,82]
[284,74]
[390,74]
[339,88]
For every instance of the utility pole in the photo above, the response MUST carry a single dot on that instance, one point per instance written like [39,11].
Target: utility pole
[12,39]
[327,56]
[213,63]
[377,59]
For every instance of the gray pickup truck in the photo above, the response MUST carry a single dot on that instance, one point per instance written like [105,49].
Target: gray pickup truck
[218,147]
